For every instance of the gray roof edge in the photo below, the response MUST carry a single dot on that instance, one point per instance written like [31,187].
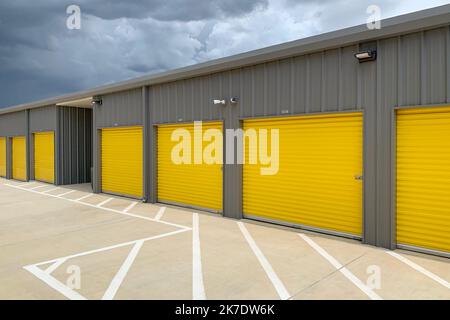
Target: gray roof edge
[411,22]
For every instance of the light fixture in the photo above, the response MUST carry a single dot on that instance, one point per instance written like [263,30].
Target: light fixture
[97,101]
[234,100]
[368,55]
[219,101]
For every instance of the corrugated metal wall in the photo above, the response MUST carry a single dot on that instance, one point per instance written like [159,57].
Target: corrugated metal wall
[120,109]
[411,69]
[74,145]
[43,119]
[13,124]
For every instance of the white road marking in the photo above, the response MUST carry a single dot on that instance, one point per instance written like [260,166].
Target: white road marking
[47,191]
[38,187]
[54,266]
[273,277]
[131,206]
[101,204]
[160,213]
[122,273]
[84,197]
[349,275]
[102,208]
[54,283]
[198,288]
[120,245]
[66,193]
[421,269]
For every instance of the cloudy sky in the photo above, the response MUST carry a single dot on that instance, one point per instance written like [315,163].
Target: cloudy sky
[118,40]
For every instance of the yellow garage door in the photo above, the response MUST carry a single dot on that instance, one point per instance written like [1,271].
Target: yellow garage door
[44,157]
[2,157]
[423,178]
[122,163]
[183,178]
[19,158]
[317,182]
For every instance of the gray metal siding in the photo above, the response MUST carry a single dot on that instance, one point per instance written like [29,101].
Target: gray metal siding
[43,119]
[74,145]
[13,124]
[411,69]
[120,109]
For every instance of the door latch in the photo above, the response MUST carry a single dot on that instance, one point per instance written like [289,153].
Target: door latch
[359,177]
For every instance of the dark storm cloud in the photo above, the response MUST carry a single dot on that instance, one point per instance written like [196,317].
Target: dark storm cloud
[118,40]
[181,10]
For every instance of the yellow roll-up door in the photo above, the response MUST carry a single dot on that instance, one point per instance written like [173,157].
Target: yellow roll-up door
[19,158]
[44,157]
[423,178]
[197,185]
[2,157]
[317,184]
[122,163]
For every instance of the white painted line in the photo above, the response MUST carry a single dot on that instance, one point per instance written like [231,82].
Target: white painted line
[101,204]
[422,270]
[66,193]
[349,275]
[122,273]
[278,285]
[198,288]
[160,213]
[54,283]
[26,184]
[38,187]
[84,197]
[120,245]
[54,189]
[54,266]
[102,208]
[131,206]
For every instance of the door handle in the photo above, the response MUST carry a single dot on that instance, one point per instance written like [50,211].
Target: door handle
[359,177]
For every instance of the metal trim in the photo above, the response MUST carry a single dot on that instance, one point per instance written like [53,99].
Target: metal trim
[160,124]
[316,113]
[303,227]
[187,206]
[393,179]
[120,194]
[424,250]
[121,126]
[423,106]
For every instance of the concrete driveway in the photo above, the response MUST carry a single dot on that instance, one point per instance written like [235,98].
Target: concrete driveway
[67,243]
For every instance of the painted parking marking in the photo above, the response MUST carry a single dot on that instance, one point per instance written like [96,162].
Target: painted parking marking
[54,283]
[38,187]
[66,193]
[273,277]
[46,277]
[198,287]
[47,191]
[421,269]
[131,206]
[102,208]
[84,197]
[160,213]
[54,266]
[122,273]
[347,273]
[101,204]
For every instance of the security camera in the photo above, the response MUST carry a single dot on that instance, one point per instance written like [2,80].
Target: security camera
[234,100]
[219,101]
